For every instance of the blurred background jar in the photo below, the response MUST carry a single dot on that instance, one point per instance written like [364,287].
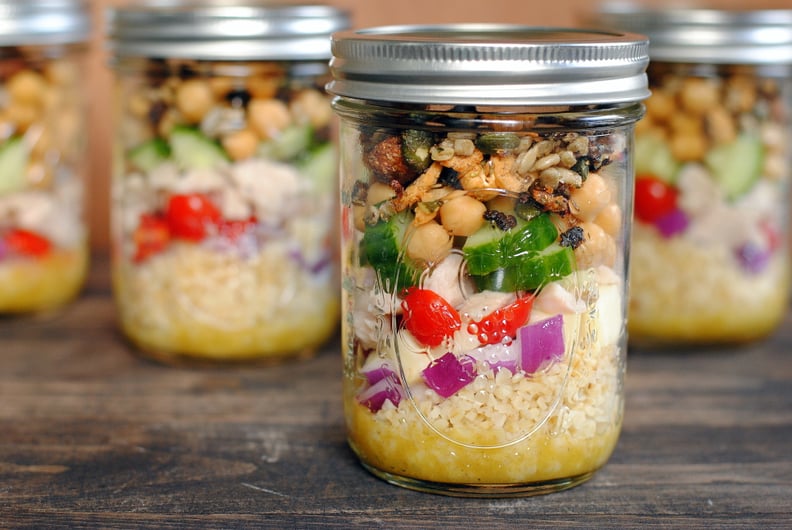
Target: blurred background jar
[43,234]
[486,199]
[710,257]
[224,179]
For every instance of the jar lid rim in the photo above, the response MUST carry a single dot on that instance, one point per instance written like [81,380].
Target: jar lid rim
[489,64]
[218,30]
[705,35]
[44,22]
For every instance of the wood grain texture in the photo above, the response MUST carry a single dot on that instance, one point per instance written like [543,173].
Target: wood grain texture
[92,436]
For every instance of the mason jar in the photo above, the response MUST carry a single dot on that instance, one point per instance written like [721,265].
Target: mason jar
[43,235]
[486,190]
[710,255]
[224,195]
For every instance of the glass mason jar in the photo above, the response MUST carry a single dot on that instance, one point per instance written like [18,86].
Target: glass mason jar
[710,257]
[224,205]
[43,235]
[486,199]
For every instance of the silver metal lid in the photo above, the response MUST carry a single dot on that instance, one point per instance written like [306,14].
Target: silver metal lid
[706,35]
[489,64]
[28,22]
[225,30]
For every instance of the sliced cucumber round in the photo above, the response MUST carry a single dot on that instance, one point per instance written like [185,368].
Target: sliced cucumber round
[490,248]
[382,247]
[737,166]
[653,157]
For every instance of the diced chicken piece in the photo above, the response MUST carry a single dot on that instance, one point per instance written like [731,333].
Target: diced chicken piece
[445,280]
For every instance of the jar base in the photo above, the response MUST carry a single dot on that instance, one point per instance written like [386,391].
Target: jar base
[527,489]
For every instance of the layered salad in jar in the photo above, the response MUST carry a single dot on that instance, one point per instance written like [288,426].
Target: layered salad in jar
[223,208]
[483,286]
[43,240]
[709,250]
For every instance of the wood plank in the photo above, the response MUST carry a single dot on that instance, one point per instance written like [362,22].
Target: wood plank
[92,435]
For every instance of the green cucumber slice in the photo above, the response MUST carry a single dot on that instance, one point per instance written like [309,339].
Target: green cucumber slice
[321,166]
[490,248]
[14,156]
[191,149]
[289,144]
[149,154]
[653,157]
[528,272]
[737,166]
[382,247]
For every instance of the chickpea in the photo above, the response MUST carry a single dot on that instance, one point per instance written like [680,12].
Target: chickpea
[138,105]
[263,87]
[194,99]
[359,217]
[379,192]
[268,117]
[220,86]
[21,115]
[312,106]
[699,95]
[462,216]
[589,199]
[610,219]
[685,124]
[240,144]
[688,146]
[429,242]
[598,248]
[644,125]
[27,88]
[740,94]
[660,106]
[721,126]
[62,73]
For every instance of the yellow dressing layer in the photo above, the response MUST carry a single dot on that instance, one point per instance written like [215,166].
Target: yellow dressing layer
[413,450]
[191,301]
[42,283]
[682,292]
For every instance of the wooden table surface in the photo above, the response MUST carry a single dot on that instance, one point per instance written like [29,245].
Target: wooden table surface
[93,436]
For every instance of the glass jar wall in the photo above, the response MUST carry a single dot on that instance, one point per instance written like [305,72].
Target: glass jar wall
[710,256]
[43,235]
[224,186]
[483,255]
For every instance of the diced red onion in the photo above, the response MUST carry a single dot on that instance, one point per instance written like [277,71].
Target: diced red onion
[386,389]
[448,374]
[498,356]
[673,223]
[753,257]
[541,342]
[376,368]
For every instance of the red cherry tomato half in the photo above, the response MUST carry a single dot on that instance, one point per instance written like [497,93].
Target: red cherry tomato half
[502,323]
[190,215]
[26,243]
[428,316]
[234,229]
[653,198]
[151,236]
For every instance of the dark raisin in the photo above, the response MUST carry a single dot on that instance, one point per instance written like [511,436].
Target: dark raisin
[156,112]
[238,97]
[572,238]
[449,177]
[502,220]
